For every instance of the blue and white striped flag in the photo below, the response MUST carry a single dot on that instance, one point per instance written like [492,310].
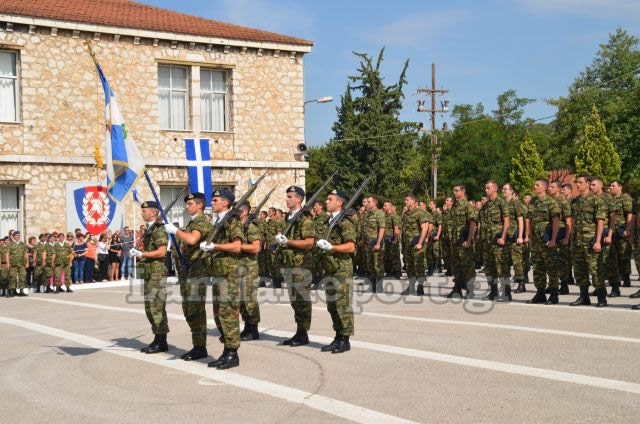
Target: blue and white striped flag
[124,162]
[136,198]
[199,167]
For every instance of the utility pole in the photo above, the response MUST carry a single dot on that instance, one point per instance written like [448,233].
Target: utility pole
[434,136]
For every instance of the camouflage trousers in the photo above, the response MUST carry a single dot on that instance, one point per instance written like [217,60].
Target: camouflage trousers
[480,250]
[515,259]
[526,258]
[59,271]
[339,291]
[262,263]
[433,254]
[194,293]
[564,262]
[623,255]
[462,264]
[249,280]
[416,261]
[44,276]
[496,264]
[298,282]
[375,262]
[317,271]
[17,277]
[4,278]
[272,265]
[545,264]
[610,264]
[392,263]
[226,308]
[587,263]
[445,248]
[361,260]
[155,296]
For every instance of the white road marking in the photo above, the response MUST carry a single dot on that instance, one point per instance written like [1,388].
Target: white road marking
[499,326]
[322,403]
[597,382]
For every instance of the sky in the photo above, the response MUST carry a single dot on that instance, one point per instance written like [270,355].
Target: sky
[480,48]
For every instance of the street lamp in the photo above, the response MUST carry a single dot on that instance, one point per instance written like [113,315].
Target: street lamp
[302,147]
[325,99]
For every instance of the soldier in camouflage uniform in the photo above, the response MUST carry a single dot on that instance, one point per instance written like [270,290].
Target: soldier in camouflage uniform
[154,273]
[567,190]
[609,259]
[248,274]
[18,259]
[589,215]
[4,269]
[433,249]
[338,245]
[374,228]
[446,236]
[621,244]
[319,222]
[564,236]
[543,218]
[38,261]
[515,235]
[392,223]
[415,230]
[261,222]
[526,247]
[63,252]
[294,258]
[482,236]
[496,231]
[223,259]
[276,226]
[464,218]
[193,285]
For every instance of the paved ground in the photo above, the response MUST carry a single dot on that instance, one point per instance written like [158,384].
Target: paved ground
[74,358]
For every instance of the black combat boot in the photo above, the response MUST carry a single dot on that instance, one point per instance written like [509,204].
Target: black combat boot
[37,290]
[448,273]
[507,294]
[430,271]
[553,297]
[301,339]
[262,282]
[493,293]
[49,289]
[564,288]
[198,352]
[456,292]
[521,287]
[229,360]
[58,290]
[342,345]
[250,333]
[214,364]
[159,345]
[539,297]
[69,290]
[602,297]
[470,286]
[330,346]
[420,289]
[635,307]
[615,290]
[635,295]
[626,281]
[155,340]
[374,285]
[411,288]
[583,299]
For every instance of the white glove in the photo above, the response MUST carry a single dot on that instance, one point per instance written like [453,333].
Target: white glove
[281,239]
[324,245]
[135,253]
[170,228]
[207,247]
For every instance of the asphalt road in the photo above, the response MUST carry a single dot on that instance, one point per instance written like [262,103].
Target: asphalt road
[75,358]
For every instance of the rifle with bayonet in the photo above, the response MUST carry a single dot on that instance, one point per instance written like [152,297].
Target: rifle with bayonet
[256,211]
[307,206]
[346,209]
[234,209]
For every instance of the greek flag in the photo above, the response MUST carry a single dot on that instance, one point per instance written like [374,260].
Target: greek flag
[199,167]
[124,162]
[136,198]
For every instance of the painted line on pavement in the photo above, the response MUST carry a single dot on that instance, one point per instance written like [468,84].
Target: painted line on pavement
[597,382]
[321,403]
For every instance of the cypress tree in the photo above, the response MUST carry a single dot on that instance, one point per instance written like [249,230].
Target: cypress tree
[526,166]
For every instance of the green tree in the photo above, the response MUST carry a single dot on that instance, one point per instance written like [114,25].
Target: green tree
[526,166]
[612,83]
[595,152]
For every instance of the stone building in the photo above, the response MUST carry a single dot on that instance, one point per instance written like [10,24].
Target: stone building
[176,76]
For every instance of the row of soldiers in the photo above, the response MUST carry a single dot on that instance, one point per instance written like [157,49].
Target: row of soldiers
[51,257]
[223,253]
[559,235]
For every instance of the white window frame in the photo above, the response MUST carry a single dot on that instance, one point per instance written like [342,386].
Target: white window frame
[187,112]
[178,208]
[16,82]
[226,94]
[19,211]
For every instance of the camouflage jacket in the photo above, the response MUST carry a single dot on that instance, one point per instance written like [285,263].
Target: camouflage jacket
[373,223]
[587,210]
[339,263]
[623,206]
[152,240]
[193,256]
[541,213]
[412,222]
[462,213]
[63,252]
[290,257]
[221,263]
[516,210]
[494,213]
[40,248]
[250,233]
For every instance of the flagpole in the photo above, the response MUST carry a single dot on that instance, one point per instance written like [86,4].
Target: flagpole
[135,277]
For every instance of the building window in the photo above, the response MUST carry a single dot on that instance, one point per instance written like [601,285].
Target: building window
[173,97]
[213,99]
[10,213]
[177,212]
[8,86]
